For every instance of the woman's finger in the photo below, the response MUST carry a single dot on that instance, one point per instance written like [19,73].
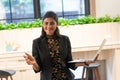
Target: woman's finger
[29,56]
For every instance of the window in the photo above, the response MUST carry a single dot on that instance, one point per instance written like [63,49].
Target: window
[16,10]
[28,10]
[64,8]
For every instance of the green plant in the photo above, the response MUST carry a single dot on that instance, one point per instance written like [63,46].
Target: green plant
[23,25]
[116,19]
[104,19]
[73,22]
[62,22]
[1,26]
[10,26]
[87,20]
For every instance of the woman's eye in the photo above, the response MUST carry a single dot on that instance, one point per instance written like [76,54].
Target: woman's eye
[46,23]
[51,23]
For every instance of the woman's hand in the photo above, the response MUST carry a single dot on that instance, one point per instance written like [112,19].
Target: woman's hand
[29,59]
[87,62]
[79,64]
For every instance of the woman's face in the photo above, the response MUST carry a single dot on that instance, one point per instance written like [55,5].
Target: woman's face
[49,26]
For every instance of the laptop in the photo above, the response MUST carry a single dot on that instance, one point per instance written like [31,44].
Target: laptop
[94,57]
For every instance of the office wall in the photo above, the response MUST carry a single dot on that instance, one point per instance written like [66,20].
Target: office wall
[110,7]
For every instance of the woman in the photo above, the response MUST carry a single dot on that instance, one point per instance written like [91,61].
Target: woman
[51,52]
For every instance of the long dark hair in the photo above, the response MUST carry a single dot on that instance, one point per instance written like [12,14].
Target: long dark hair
[52,14]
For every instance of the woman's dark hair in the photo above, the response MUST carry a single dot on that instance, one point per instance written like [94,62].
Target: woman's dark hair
[51,14]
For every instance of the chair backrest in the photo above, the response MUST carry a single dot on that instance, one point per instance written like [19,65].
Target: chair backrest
[4,73]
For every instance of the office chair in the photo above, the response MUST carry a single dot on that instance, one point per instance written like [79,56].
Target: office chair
[6,74]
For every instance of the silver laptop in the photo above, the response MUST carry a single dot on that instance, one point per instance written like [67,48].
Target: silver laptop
[92,59]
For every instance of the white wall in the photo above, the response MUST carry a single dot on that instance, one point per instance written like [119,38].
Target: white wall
[80,36]
[110,7]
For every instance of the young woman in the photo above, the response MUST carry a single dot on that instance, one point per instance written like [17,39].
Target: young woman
[51,52]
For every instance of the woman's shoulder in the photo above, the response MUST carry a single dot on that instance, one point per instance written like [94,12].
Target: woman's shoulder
[36,39]
[64,37]
[41,38]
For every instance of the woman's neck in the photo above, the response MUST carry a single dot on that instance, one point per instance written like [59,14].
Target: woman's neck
[49,36]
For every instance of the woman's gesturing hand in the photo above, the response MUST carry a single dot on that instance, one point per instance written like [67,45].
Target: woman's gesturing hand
[29,59]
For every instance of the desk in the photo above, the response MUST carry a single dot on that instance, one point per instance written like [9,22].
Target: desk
[108,58]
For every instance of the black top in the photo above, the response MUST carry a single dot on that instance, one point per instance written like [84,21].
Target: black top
[42,52]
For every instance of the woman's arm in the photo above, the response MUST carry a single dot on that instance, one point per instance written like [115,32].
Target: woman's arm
[30,60]
[36,67]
